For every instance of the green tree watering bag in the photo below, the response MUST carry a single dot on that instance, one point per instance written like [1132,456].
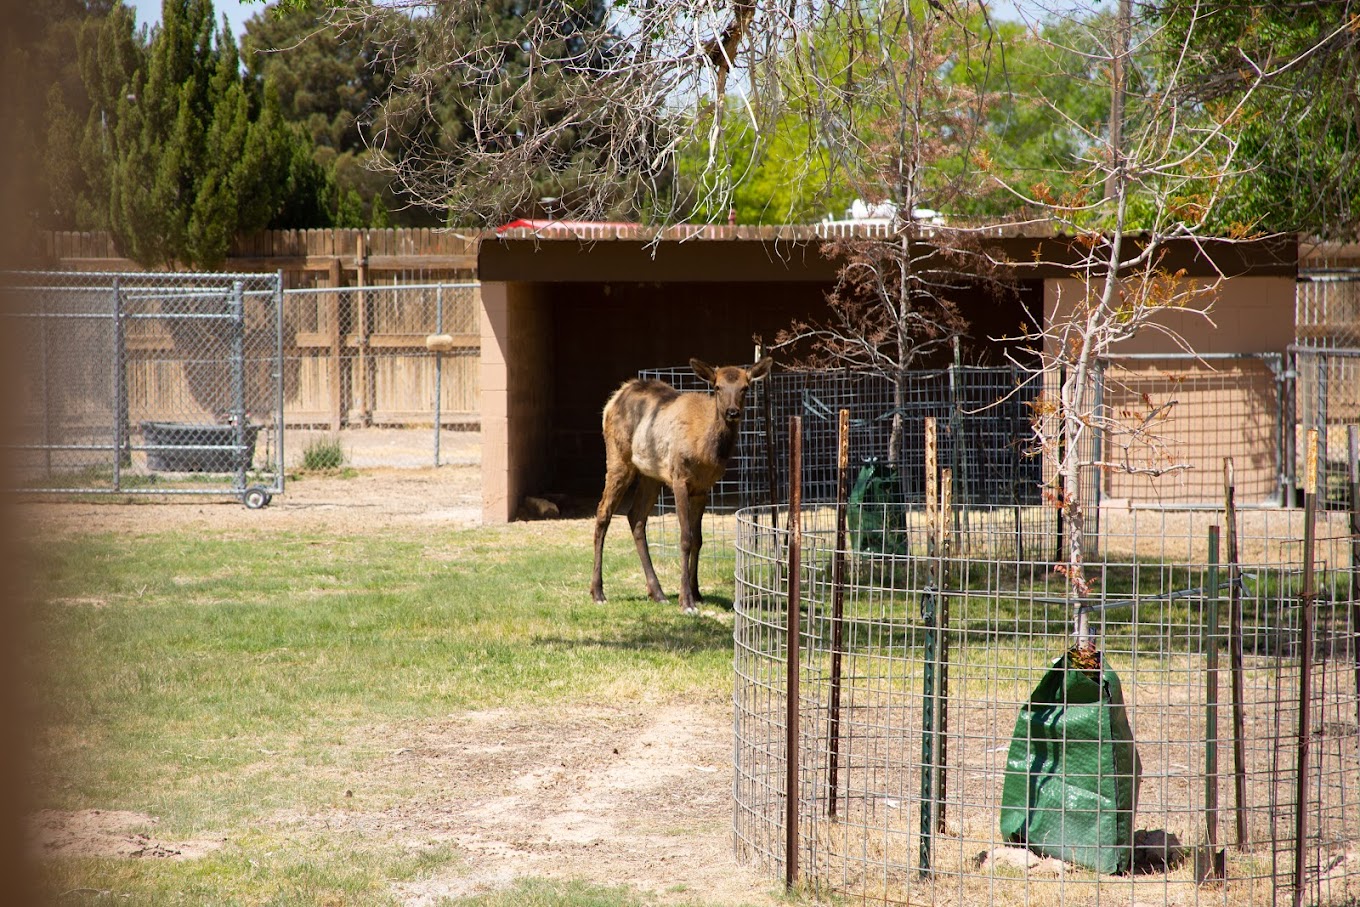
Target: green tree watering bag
[877,513]
[1072,772]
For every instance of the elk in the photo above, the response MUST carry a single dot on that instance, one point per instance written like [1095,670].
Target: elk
[655,435]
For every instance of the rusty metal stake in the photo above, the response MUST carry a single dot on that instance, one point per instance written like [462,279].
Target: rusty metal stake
[838,610]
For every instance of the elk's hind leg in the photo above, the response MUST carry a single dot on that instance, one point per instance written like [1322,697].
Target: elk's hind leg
[616,482]
[644,499]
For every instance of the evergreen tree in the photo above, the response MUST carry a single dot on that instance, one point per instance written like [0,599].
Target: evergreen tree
[505,105]
[158,138]
[326,79]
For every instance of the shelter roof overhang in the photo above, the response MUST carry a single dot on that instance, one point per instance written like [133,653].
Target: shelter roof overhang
[557,251]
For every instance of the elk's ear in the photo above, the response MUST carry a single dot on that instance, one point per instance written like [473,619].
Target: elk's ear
[761,368]
[704,370]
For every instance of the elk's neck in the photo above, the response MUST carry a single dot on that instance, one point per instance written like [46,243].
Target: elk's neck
[724,438]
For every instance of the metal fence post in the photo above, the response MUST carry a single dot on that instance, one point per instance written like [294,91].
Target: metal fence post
[438,367]
[1236,655]
[791,748]
[238,380]
[1324,368]
[838,608]
[1353,480]
[120,414]
[1305,727]
[1211,703]
[279,394]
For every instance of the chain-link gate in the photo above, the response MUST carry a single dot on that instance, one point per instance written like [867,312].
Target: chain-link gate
[162,383]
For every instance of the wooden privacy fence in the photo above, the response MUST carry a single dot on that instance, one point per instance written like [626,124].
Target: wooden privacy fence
[307,258]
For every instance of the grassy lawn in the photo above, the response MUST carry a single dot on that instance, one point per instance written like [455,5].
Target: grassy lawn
[213,681]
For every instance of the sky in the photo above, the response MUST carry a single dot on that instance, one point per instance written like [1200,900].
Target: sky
[237,12]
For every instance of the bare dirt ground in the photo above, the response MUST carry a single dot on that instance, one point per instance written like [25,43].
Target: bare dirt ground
[637,795]
[628,796]
[391,484]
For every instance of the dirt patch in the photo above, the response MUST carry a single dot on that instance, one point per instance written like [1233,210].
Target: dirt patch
[638,796]
[108,833]
[390,482]
[373,500]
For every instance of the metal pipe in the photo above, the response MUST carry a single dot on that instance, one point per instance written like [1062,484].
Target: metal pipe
[1305,728]
[929,617]
[278,381]
[438,367]
[1353,475]
[1235,656]
[120,413]
[791,748]
[1211,704]
[238,382]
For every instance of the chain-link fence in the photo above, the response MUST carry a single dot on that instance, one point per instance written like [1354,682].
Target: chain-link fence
[363,356]
[937,740]
[391,355]
[166,383]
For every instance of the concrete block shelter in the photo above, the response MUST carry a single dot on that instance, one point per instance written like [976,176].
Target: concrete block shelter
[569,311]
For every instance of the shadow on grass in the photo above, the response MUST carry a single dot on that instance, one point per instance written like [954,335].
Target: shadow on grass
[639,624]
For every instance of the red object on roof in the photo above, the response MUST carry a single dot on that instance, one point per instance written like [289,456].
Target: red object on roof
[534,224]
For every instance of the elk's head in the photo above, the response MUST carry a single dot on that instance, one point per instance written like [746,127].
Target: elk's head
[730,383]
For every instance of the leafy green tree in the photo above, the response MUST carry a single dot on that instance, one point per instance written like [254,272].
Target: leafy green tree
[1292,70]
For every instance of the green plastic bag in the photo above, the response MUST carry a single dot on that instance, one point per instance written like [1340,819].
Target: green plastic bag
[1072,772]
[878,512]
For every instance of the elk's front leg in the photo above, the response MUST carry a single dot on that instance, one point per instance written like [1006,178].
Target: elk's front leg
[644,499]
[688,550]
[697,505]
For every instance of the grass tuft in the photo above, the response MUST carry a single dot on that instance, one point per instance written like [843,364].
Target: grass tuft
[325,454]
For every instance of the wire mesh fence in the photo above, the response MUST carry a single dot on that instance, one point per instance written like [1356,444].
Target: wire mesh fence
[984,414]
[166,383]
[1209,407]
[1250,407]
[936,699]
